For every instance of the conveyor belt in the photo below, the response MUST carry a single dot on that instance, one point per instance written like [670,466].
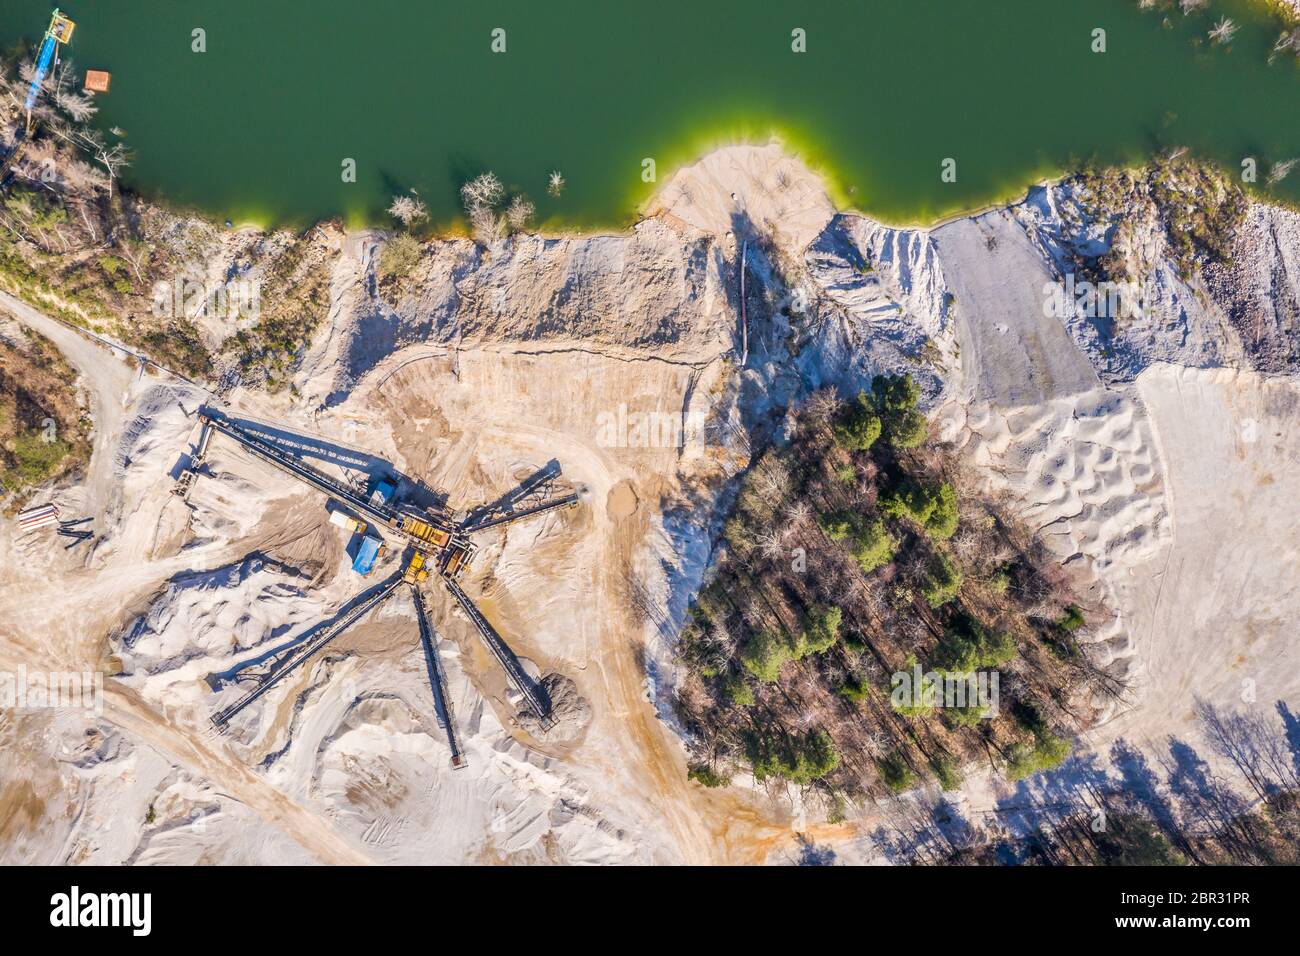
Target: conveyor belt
[306,650]
[438,681]
[533,697]
[549,505]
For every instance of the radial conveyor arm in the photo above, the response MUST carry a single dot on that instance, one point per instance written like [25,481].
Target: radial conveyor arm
[301,470]
[306,650]
[438,681]
[532,695]
[541,507]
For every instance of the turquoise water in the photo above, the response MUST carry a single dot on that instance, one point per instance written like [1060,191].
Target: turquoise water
[257,127]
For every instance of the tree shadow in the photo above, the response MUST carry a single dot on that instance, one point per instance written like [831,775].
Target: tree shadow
[811,854]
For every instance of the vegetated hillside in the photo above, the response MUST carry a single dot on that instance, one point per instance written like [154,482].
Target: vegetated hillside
[78,247]
[1140,808]
[43,433]
[115,266]
[856,552]
[1173,206]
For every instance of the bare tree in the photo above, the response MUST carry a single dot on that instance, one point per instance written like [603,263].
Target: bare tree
[79,106]
[798,513]
[408,209]
[488,228]
[483,190]
[1288,41]
[518,213]
[823,405]
[555,184]
[113,158]
[1279,171]
[1223,32]
[769,543]
[480,196]
[136,255]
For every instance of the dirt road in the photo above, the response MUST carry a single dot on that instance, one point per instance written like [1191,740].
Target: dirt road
[45,631]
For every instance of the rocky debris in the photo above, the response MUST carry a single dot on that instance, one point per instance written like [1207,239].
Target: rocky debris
[1116,286]
[889,309]
[1163,265]
[1259,288]
[208,615]
[570,711]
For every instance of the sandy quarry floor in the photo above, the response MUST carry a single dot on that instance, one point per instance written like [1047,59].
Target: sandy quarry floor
[1175,492]
[358,770]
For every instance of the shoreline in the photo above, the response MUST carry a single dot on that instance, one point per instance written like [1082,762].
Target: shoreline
[550,229]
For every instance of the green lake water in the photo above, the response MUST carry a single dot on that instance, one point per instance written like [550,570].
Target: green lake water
[256,128]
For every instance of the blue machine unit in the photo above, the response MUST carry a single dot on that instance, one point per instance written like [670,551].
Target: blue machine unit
[382,493]
[367,553]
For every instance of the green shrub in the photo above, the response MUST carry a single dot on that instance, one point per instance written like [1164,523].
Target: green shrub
[738,691]
[968,646]
[873,545]
[895,773]
[836,525]
[767,650]
[917,708]
[801,759]
[738,534]
[944,581]
[706,776]
[934,508]
[1071,620]
[36,459]
[942,522]
[896,396]
[854,689]
[969,716]
[821,630]
[398,256]
[1047,753]
[1030,717]
[764,654]
[859,426]
[947,772]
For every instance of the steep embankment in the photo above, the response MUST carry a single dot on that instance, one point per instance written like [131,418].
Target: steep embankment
[1149,440]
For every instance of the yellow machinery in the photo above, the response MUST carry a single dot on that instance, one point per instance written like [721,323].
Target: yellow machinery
[416,571]
[436,537]
[436,542]
[61,27]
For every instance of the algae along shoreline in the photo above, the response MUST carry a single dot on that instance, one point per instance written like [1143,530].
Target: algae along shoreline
[258,126]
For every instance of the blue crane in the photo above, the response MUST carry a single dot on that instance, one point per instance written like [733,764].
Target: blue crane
[60,31]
